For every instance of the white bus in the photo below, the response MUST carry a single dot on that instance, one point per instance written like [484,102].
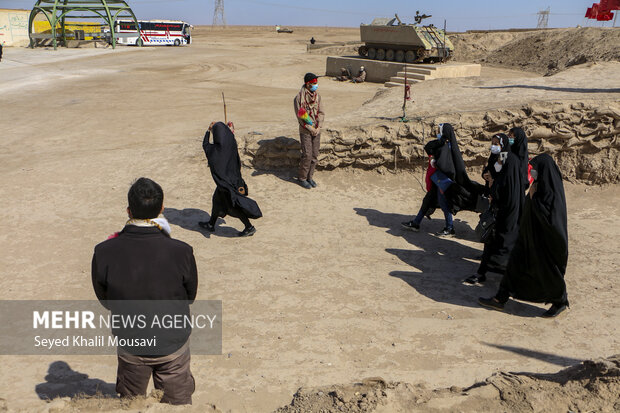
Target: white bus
[154,32]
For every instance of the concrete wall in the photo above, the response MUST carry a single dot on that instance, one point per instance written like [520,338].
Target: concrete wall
[14,27]
[376,71]
[44,26]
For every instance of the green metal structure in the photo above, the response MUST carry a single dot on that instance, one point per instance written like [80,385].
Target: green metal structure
[57,11]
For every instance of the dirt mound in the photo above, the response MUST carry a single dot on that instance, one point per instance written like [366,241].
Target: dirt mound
[545,52]
[348,50]
[589,386]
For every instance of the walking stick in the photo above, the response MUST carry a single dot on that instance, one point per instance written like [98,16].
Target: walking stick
[225,116]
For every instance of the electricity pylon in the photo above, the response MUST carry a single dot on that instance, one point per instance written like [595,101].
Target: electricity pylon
[218,13]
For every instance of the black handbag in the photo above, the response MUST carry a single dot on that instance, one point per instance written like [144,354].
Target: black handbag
[486,226]
[482,204]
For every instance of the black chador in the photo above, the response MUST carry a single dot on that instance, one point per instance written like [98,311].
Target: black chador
[231,195]
[463,195]
[537,264]
[507,199]
[519,148]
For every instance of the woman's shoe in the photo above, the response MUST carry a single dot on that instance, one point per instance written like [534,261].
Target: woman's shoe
[410,225]
[475,279]
[207,225]
[248,232]
[446,232]
[491,303]
[555,310]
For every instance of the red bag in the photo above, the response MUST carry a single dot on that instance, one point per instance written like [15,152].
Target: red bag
[429,172]
[529,174]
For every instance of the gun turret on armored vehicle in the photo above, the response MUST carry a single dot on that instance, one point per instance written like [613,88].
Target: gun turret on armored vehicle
[392,40]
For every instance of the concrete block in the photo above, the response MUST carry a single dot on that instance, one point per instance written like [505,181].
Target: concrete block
[393,84]
[401,80]
[418,70]
[416,76]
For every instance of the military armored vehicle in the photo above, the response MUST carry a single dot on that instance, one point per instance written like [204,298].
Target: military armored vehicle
[392,40]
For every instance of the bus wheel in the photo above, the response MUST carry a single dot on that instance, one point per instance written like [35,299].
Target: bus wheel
[177,42]
[139,42]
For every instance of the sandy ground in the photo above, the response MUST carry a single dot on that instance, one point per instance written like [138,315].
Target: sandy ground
[329,290]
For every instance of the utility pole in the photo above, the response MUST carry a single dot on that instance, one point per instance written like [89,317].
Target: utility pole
[218,13]
[543,19]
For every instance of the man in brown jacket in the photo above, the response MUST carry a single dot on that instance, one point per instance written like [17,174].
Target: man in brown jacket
[310,115]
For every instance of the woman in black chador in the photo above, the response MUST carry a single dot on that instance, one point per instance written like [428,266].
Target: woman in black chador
[537,264]
[231,195]
[506,194]
[461,194]
[518,146]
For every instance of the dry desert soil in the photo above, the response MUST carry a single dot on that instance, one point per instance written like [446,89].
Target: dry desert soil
[330,291]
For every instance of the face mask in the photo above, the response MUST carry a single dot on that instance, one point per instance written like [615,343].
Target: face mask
[534,174]
[511,141]
[495,149]
[313,88]
[498,167]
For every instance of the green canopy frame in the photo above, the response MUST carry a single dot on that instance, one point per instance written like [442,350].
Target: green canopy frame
[59,10]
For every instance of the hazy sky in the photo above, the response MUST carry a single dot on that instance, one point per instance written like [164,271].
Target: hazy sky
[460,14]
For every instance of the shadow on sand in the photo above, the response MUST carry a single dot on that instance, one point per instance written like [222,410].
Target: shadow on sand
[553,89]
[441,263]
[288,175]
[188,219]
[539,355]
[62,381]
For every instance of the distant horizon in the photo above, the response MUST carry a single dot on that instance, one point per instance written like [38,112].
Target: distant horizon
[459,16]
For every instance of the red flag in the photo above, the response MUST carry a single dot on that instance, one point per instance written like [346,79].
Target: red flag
[609,5]
[603,6]
[605,16]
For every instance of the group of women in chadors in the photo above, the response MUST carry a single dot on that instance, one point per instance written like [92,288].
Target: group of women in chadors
[528,244]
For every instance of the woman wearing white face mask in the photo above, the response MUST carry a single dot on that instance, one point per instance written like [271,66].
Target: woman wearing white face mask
[506,193]
[489,173]
[537,264]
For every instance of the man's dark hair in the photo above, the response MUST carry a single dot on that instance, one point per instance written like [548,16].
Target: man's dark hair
[309,77]
[145,199]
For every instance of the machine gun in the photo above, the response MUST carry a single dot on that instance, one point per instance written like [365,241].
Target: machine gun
[419,17]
